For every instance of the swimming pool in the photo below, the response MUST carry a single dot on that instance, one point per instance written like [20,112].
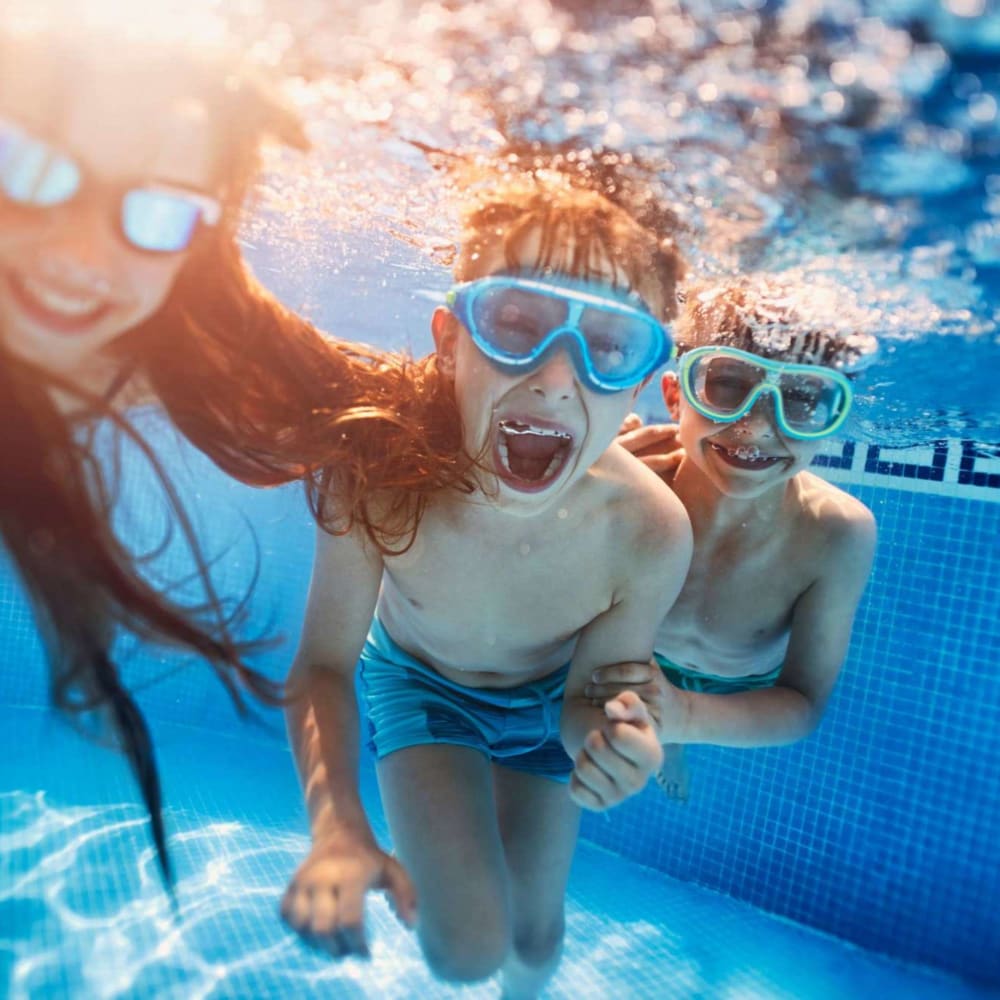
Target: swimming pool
[867,834]
[858,863]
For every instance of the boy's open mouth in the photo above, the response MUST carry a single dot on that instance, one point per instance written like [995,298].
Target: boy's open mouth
[745,456]
[531,456]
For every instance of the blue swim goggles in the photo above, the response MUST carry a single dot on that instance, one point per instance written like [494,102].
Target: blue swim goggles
[724,383]
[157,218]
[516,320]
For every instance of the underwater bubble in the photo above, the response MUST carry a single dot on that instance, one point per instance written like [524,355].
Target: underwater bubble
[983,242]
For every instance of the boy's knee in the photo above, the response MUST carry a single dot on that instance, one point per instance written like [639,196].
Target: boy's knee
[469,954]
[537,943]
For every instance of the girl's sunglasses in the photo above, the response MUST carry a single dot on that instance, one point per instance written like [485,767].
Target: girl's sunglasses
[153,217]
[723,384]
[515,321]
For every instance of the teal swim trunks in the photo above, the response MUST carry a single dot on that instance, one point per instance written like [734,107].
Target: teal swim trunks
[696,680]
[407,704]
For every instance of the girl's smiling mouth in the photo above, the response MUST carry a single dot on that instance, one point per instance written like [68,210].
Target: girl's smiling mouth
[55,309]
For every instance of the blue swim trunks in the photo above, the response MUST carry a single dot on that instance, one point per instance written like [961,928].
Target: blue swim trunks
[696,680]
[409,704]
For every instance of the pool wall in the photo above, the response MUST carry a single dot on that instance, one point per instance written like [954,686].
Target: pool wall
[880,828]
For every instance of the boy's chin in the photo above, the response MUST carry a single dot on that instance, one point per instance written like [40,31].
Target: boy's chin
[524,504]
[746,488]
[511,499]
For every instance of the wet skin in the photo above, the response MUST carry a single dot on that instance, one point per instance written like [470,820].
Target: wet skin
[758,515]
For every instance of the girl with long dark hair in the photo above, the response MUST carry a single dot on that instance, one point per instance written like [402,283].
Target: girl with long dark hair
[124,167]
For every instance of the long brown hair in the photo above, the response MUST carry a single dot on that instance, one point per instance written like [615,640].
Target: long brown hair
[55,519]
[257,388]
[270,399]
[267,396]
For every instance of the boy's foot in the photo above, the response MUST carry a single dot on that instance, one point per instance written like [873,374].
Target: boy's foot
[674,777]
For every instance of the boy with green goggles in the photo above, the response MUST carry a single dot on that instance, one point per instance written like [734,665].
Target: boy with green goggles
[749,654]
[725,383]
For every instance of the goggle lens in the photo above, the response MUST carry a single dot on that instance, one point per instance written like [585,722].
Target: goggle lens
[158,220]
[724,384]
[34,174]
[619,345]
[810,404]
[516,322]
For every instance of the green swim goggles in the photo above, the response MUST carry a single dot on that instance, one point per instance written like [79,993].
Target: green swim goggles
[517,321]
[724,383]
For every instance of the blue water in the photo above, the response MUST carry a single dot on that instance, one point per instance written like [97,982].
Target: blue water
[856,864]
[82,914]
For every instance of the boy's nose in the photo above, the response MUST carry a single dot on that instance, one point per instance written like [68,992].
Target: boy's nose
[761,420]
[555,378]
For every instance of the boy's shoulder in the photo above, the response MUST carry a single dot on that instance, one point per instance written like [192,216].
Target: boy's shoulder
[832,513]
[640,502]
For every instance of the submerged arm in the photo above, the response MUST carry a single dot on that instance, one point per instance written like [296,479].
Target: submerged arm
[614,745]
[820,634]
[324,902]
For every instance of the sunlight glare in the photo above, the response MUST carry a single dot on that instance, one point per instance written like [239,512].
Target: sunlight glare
[197,20]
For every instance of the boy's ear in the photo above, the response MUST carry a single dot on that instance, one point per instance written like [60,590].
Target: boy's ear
[671,390]
[444,328]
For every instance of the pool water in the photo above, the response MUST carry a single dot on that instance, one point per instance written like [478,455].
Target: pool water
[82,914]
[858,863]
[834,833]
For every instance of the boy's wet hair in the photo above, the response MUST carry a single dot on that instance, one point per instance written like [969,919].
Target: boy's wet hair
[506,214]
[776,318]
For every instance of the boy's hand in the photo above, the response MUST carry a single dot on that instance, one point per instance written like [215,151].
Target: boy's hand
[324,902]
[666,704]
[618,759]
[657,446]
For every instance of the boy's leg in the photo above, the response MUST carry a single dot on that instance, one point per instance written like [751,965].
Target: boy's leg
[539,824]
[439,803]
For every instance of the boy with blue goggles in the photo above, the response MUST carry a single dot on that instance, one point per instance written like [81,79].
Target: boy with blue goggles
[517,321]
[155,218]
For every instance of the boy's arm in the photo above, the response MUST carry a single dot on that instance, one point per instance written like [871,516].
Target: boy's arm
[614,746]
[820,634]
[325,899]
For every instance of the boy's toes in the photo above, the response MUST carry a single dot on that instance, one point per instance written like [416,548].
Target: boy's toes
[672,787]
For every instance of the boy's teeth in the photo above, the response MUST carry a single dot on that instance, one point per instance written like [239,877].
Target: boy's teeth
[746,452]
[60,302]
[516,427]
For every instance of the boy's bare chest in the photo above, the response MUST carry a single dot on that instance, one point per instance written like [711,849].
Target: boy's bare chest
[517,591]
[516,570]
[742,593]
